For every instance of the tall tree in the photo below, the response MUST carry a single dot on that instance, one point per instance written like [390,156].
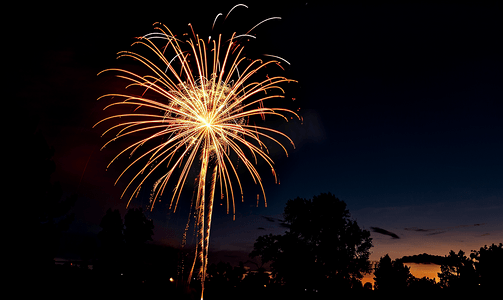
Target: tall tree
[489,265]
[323,248]
[458,272]
[138,229]
[111,255]
[391,276]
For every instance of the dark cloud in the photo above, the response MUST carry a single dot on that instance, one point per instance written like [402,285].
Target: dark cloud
[474,225]
[270,219]
[384,231]
[417,229]
[435,233]
[423,259]
[261,228]
[428,231]
[439,231]
[281,223]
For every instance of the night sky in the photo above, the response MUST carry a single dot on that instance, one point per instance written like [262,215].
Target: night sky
[402,108]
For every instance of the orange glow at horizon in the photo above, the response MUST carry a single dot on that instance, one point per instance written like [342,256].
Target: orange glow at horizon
[417,270]
[424,270]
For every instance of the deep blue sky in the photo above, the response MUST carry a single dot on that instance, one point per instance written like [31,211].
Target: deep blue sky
[402,108]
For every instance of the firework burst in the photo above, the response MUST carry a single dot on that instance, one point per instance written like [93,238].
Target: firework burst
[194,107]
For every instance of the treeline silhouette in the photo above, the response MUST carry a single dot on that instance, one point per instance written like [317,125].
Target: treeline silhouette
[461,275]
[325,251]
[323,254]
[120,263]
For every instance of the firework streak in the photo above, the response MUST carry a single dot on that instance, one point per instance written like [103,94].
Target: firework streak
[195,106]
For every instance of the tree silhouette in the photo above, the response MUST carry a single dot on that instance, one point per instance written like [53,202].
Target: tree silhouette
[123,245]
[322,250]
[458,273]
[224,276]
[391,276]
[237,274]
[138,229]
[111,254]
[219,275]
[489,265]
[256,280]
[424,286]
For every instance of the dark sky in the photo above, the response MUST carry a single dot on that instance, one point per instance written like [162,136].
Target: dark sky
[402,108]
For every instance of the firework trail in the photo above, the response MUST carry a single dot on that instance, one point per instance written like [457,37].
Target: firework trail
[193,112]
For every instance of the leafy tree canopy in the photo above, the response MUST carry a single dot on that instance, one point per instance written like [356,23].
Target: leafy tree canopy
[138,229]
[391,275]
[489,265]
[322,248]
[458,272]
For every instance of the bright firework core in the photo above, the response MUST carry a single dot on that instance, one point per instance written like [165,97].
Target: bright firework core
[196,107]
[211,114]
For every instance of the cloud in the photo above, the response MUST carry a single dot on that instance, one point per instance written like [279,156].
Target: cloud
[435,233]
[385,232]
[440,230]
[261,228]
[281,223]
[270,219]
[424,259]
[474,225]
[417,229]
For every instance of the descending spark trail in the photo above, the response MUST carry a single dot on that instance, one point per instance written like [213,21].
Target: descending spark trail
[196,108]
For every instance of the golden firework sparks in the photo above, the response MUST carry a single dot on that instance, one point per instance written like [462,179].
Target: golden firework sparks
[195,108]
